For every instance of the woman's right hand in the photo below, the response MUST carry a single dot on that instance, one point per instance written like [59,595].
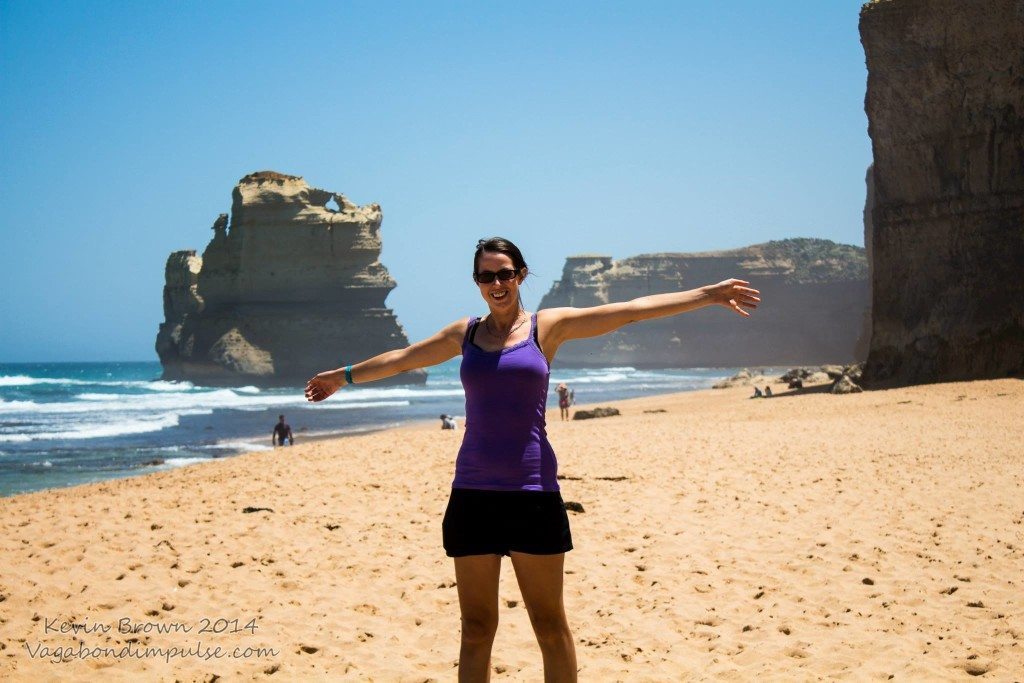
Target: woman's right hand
[323,385]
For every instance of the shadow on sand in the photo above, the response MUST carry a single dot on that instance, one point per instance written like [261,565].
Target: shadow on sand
[816,389]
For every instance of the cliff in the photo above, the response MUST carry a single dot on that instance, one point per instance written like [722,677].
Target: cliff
[815,294]
[945,106]
[289,286]
[864,341]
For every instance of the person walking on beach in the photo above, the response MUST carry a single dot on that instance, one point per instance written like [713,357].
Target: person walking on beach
[563,400]
[281,432]
[505,497]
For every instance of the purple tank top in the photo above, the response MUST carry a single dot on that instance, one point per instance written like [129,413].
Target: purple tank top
[505,446]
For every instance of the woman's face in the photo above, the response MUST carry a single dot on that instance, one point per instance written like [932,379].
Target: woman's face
[500,295]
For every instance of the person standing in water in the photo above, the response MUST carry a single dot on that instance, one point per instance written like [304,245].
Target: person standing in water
[563,400]
[505,497]
[281,432]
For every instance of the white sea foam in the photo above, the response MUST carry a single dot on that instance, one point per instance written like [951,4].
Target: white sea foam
[238,446]
[181,462]
[114,425]
[16,406]
[444,388]
[646,374]
[220,399]
[346,432]
[592,379]
[22,380]
[93,415]
[160,385]
[154,385]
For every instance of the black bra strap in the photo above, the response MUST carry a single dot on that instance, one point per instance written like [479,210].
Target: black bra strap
[472,329]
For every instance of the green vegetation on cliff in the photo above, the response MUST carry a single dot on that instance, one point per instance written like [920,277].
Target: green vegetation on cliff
[816,260]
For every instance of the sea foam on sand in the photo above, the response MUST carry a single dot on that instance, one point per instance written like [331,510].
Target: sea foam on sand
[803,536]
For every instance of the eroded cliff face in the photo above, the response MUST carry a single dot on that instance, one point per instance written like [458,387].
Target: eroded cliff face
[815,294]
[945,105]
[864,341]
[291,285]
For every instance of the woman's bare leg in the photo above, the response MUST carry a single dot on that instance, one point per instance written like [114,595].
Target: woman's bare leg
[540,581]
[476,578]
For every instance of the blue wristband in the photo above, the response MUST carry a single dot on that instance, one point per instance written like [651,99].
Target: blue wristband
[348,374]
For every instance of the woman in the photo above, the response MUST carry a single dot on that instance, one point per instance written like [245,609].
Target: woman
[505,497]
[563,400]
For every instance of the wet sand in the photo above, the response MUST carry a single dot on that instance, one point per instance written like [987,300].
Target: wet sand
[806,536]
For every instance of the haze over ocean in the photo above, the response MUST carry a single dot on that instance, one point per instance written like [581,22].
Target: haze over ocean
[614,128]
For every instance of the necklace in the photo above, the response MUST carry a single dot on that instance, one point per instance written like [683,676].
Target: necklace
[487,323]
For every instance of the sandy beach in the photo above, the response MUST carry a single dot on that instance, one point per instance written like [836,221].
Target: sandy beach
[872,536]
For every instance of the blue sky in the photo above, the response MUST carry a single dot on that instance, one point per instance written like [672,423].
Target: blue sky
[615,128]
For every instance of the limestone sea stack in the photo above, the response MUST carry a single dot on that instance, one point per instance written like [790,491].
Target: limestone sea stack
[945,107]
[291,285]
[815,296]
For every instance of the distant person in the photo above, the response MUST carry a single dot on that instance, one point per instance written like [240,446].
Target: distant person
[564,399]
[757,393]
[767,391]
[505,497]
[281,432]
[447,422]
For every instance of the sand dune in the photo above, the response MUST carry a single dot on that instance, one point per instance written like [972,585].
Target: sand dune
[861,537]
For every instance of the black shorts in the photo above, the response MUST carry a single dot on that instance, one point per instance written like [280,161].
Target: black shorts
[479,522]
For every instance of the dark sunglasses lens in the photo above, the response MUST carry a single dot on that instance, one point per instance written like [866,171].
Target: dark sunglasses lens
[486,277]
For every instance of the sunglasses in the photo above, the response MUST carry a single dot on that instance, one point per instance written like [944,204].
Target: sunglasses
[486,277]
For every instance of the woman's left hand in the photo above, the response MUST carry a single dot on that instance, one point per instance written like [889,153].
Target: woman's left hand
[735,294]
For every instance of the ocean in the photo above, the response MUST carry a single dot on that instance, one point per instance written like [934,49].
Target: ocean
[63,424]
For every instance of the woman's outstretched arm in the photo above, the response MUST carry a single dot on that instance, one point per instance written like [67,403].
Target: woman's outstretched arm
[437,349]
[564,324]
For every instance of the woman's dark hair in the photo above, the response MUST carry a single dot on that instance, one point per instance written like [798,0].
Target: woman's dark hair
[499,245]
